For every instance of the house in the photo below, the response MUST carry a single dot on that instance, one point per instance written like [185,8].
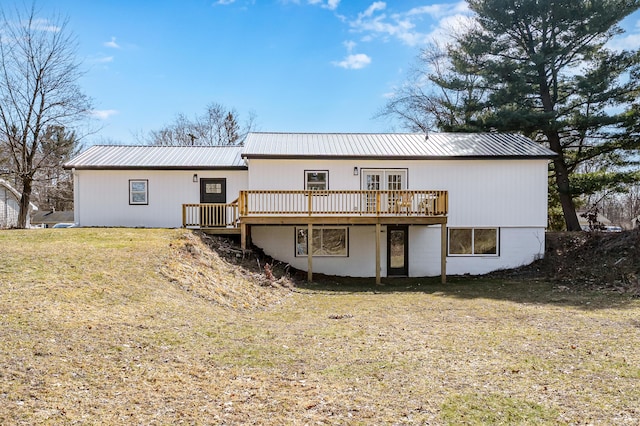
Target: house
[592,220]
[48,219]
[10,206]
[341,204]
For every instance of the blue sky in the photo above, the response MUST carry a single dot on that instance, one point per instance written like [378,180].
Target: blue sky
[299,65]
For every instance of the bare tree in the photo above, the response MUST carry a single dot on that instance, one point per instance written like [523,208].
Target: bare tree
[436,95]
[217,126]
[38,93]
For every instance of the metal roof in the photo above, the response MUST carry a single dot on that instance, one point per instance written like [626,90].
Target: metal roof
[305,145]
[51,217]
[158,157]
[393,145]
[18,195]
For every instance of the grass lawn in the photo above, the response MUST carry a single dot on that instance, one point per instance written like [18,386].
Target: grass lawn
[124,326]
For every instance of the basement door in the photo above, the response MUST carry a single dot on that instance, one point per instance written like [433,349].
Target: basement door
[397,250]
[213,191]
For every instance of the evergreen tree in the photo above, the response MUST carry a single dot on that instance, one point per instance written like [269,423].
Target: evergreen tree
[545,71]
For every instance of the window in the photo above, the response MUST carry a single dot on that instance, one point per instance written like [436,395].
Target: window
[395,181]
[326,242]
[213,188]
[316,180]
[473,241]
[138,191]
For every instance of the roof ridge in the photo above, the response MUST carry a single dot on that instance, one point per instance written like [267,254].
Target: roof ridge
[164,146]
[336,133]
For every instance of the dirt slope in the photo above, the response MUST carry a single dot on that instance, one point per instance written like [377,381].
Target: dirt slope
[577,260]
[608,261]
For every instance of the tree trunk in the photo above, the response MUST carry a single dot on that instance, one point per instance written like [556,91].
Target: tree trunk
[24,202]
[560,165]
[562,183]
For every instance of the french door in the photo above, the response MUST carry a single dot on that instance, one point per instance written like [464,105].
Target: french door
[380,179]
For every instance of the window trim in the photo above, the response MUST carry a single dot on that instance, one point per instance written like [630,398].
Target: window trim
[132,192]
[473,254]
[306,179]
[297,229]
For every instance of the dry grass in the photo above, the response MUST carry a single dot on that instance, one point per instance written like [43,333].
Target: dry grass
[115,326]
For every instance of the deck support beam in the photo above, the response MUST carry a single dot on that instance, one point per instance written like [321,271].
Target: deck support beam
[443,252]
[378,232]
[309,252]
[243,236]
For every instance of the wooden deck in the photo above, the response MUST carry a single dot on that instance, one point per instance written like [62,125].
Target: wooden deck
[257,207]
[268,207]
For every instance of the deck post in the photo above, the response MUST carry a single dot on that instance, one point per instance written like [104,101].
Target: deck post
[443,252]
[378,228]
[243,236]
[184,216]
[309,252]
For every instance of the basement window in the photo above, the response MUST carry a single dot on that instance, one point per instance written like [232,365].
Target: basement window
[327,241]
[138,192]
[473,241]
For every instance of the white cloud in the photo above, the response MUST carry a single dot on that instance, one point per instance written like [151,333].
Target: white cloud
[350,45]
[406,26]
[112,44]
[625,42]
[225,2]
[42,25]
[103,59]
[330,4]
[440,10]
[103,114]
[375,6]
[354,62]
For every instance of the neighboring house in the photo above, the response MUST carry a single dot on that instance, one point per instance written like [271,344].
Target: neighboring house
[592,220]
[340,204]
[10,206]
[47,219]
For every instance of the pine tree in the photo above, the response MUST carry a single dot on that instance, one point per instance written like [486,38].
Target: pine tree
[542,68]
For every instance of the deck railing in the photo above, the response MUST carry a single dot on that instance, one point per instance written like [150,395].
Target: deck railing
[210,215]
[317,203]
[328,203]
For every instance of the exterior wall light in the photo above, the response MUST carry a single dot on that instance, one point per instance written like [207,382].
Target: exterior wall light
[355,171]
[195,177]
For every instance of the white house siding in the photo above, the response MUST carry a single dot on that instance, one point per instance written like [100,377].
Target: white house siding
[518,246]
[102,196]
[279,243]
[9,208]
[289,174]
[509,193]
